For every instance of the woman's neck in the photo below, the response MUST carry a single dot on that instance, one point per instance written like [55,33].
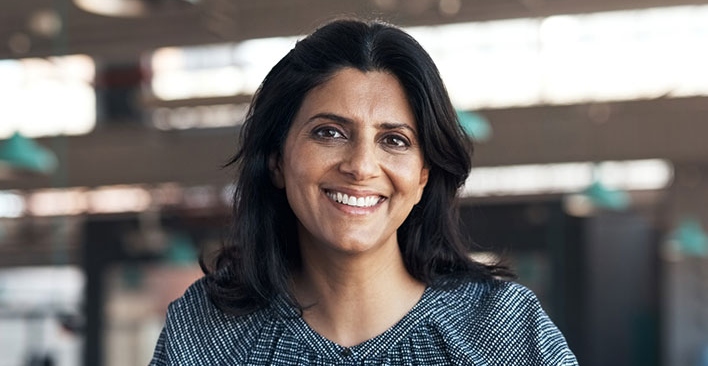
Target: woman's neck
[351,298]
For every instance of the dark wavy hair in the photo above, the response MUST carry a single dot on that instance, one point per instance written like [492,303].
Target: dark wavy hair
[255,263]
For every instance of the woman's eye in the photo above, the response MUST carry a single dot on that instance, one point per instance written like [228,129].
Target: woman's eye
[328,133]
[396,141]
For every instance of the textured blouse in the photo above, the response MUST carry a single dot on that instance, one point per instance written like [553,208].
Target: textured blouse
[476,323]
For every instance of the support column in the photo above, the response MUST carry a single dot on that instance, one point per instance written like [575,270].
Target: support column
[684,278]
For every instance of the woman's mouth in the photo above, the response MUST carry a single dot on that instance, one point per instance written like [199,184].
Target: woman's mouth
[355,201]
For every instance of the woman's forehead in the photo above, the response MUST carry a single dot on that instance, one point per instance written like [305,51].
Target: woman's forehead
[359,95]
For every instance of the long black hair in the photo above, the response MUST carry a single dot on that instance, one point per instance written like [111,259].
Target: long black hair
[255,263]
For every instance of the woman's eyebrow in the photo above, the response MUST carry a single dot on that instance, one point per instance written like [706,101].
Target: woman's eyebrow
[332,117]
[397,126]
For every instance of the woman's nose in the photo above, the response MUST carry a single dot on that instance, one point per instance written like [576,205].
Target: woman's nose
[360,161]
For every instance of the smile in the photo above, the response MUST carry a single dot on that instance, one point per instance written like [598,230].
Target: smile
[348,200]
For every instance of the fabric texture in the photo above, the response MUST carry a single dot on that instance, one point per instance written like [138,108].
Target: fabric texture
[476,323]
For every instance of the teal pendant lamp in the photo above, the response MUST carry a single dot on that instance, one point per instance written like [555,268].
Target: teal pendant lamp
[475,125]
[689,238]
[180,250]
[23,154]
[603,197]
[594,197]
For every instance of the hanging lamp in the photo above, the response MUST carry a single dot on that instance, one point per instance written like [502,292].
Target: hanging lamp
[23,154]
[603,197]
[689,239]
[595,196]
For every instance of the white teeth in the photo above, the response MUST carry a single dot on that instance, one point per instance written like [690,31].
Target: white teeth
[353,201]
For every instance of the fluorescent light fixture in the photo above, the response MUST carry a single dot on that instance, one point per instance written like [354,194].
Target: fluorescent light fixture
[566,177]
[122,8]
[206,116]
[122,198]
[12,205]
[80,200]
[215,70]
[562,59]
[46,97]
[114,8]
[567,59]
[57,202]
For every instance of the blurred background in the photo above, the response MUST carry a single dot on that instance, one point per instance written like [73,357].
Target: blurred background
[591,176]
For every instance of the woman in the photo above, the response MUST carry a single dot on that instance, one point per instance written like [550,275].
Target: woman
[345,245]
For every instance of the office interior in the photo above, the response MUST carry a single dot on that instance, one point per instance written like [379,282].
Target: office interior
[590,173]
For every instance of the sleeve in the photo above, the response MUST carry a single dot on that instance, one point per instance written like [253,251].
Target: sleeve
[159,356]
[506,325]
[539,339]
[194,330]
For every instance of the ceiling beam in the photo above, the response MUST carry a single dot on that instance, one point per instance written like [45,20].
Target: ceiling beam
[212,21]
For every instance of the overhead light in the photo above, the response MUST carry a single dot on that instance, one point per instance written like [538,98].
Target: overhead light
[21,153]
[114,8]
[12,205]
[122,8]
[449,7]
[46,23]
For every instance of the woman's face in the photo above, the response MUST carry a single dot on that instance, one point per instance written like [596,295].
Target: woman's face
[352,166]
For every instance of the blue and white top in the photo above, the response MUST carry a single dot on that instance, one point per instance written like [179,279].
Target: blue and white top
[476,323]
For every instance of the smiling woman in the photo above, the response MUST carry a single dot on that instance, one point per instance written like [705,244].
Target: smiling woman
[354,136]
[345,246]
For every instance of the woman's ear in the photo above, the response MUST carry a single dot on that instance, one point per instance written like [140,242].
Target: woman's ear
[424,175]
[276,173]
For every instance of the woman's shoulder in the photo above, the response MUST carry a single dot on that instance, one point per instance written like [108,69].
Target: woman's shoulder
[196,329]
[496,301]
[487,295]
[195,308]
[496,316]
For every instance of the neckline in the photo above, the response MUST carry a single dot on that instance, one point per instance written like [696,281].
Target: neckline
[325,348]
